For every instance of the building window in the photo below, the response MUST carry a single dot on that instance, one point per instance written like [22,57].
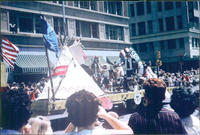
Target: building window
[159,4]
[105,6]
[58,25]
[178,4]
[195,5]
[140,8]
[171,44]
[142,47]
[95,30]
[120,33]
[148,7]
[150,27]
[113,7]
[93,5]
[87,29]
[114,32]
[38,26]
[132,9]
[133,29]
[141,28]
[84,4]
[168,5]
[195,22]
[78,31]
[119,8]
[195,42]
[13,21]
[25,22]
[161,27]
[76,4]
[181,43]
[179,22]
[170,23]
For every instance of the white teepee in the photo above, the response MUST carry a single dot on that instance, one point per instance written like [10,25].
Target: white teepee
[74,80]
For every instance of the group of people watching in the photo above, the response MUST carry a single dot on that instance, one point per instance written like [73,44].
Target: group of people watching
[33,89]
[85,111]
[187,78]
[114,78]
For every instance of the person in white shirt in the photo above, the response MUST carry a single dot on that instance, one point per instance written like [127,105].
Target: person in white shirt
[149,72]
[185,101]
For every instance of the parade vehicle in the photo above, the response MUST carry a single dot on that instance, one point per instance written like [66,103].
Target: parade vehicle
[69,77]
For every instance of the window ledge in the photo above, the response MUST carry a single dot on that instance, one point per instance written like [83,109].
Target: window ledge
[103,40]
[21,34]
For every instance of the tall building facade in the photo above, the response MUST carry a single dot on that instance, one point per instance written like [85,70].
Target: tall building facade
[169,27]
[102,27]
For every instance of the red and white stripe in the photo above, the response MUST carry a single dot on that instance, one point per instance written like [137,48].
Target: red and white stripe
[60,70]
[9,52]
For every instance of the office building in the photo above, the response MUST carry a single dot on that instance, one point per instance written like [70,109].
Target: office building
[169,27]
[102,27]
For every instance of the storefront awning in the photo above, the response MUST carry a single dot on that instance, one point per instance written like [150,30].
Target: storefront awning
[32,63]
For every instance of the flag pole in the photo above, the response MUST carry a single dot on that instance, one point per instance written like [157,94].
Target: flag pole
[64,21]
[51,81]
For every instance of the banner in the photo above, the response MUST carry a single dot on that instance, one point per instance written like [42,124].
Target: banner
[50,37]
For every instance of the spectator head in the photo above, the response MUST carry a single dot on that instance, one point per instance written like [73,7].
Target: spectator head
[184,101]
[82,108]
[154,90]
[40,126]
[15,109]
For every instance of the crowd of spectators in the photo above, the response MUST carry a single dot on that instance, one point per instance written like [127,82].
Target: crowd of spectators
[85,113]
[33,89]
[187,78]
[113,78]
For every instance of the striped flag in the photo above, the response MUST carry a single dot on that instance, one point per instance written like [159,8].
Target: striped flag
[60,70]
[9,51]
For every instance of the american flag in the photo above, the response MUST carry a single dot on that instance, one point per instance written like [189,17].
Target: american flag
[9,51]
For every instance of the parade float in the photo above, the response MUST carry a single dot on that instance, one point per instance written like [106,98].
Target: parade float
[69,77]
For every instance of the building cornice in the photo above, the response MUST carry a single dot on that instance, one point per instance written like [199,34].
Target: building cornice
[160,36]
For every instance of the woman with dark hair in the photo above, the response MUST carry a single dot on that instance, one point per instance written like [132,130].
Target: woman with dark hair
[152,117]
[84,110]
[15,110]
[184,101]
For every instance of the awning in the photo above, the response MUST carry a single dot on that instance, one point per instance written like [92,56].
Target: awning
[112,59]
[32,63]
